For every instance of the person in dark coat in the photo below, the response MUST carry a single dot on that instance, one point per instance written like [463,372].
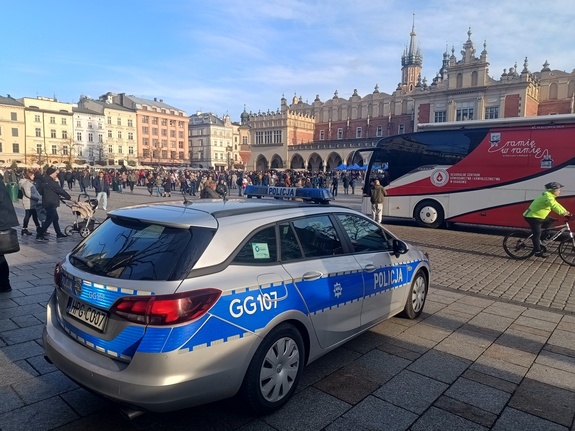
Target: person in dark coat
[51,193]
[8,219]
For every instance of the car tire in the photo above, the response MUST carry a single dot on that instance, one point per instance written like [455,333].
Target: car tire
[417,295]
[275,370]
[429,214]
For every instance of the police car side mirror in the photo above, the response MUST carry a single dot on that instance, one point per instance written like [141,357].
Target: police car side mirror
[399,247]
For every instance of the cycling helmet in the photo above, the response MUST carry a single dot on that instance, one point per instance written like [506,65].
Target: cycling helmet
[553,186]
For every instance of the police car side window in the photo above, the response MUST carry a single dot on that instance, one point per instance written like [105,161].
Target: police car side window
[365,235]
[260,248]
[289,245]
[317,236]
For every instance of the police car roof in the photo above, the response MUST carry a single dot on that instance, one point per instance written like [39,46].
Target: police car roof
[205,213]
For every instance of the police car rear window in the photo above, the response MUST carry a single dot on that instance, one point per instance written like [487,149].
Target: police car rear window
[134,250]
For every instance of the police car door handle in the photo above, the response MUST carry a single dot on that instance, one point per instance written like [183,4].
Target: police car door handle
[369,268]
[312,275]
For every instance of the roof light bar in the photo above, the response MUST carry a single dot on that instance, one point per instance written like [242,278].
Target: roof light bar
[306,194]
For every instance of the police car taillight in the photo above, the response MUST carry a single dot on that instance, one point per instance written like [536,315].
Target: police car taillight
[166,309]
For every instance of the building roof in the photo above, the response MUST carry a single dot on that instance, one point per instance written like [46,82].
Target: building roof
[10,101]
[156,103]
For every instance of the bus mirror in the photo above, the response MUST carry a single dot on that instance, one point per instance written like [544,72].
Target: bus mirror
[399,247]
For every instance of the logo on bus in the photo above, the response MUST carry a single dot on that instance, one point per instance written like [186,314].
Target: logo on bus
[439,177]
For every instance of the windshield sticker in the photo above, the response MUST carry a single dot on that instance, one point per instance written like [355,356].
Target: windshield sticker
[260,250]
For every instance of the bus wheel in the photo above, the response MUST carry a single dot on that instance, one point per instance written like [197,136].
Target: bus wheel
[429,214]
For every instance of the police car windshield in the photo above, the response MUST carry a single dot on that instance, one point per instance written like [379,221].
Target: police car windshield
[135,250]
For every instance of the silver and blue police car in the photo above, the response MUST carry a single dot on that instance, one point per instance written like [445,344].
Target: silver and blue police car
[173,305]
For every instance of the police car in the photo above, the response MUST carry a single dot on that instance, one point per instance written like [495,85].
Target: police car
[173,305]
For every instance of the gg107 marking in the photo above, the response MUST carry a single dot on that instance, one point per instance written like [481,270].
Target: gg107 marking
[251,305]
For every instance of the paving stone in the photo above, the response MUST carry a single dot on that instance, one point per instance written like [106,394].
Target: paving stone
[459,348]
[479,395]
[529,330]
[7,325]
[467,335]
[523,341]
[562,339]
[47,414]
[512,419]
[41,365]
[498,368]
[43,387]
[350,384]
[532,322]
[344,424]
[490,322]
[381,366]
[437,419]
[20,351]
[376,414]
[466,411]
[365,342]
[511,355]
[556,360]
[399,351]
[308,410]
[411,391]
[440,366]
[9,400]
[542,315]
[325,365]
[388,328]
[15,372]
[85,403]
[552,376]
[24,321]
[413,342]
[476,301]
[21,335]
[506,310]
[545,401]
[494,382]
[425,331]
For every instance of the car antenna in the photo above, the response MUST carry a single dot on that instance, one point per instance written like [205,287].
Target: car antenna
[186,201]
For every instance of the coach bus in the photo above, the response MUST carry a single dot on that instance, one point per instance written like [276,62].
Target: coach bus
[481,172]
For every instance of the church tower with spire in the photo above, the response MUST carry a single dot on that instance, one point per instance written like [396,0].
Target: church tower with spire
[411,63]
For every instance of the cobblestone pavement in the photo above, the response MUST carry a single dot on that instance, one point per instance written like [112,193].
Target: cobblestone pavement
[494,349]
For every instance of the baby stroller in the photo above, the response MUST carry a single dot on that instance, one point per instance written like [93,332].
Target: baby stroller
[84,212]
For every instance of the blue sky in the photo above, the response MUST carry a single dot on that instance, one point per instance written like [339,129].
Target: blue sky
[219,55]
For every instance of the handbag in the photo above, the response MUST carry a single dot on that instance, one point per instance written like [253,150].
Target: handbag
[9,241]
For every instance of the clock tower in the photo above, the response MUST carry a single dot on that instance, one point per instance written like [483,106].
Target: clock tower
[411,62]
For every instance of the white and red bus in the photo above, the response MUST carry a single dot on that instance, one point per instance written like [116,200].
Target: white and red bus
[482,172]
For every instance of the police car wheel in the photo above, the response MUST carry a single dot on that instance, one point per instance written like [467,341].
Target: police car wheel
[416,297]
[275,370]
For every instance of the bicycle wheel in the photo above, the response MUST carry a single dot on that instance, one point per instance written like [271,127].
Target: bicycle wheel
[518,244]
[567,251]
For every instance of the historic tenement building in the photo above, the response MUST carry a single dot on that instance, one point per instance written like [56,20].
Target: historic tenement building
[322,135]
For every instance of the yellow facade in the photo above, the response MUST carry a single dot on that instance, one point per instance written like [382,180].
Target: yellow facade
[49,130]
[12,131]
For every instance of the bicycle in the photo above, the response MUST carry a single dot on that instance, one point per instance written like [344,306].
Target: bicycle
[518,244]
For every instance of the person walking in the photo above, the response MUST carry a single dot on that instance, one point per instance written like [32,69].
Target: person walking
[8,219]
[334,184]
[377,194]
[30,197]
[102,189]
[132,179]
[85,181]
[537,215]
[51,193]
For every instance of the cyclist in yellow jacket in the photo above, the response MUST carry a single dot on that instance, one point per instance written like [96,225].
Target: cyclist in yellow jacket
[537,215]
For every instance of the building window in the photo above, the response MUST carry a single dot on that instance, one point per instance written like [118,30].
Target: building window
[155,121]
[78,136]
[38,148]
[109,133]
[459,80]
[52,120]
[277,136]
[474,78]
[340,133]
[15,147]
[64,134]
[145,130]
[130,123]
[14,116]
[379,131]
[491,112]
[440,117]
[110,149]
[15,132]
[164,122]
[90,125]
[54,150]
[244,140]
[358,132]
[64,121]
[130,136]
[145,119]
[119,149]
[119,134]
[119,121]
[401,129]
[100,138]
[130,150]
[37,118]
[78,123]
[90,137]
[464,114]
[109,120]
[53,133]
[38,132]
[164,132]
[553,91]
[154,130]
[65,150]
[322,135]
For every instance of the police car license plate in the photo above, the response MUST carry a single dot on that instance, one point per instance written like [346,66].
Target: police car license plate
[87,314]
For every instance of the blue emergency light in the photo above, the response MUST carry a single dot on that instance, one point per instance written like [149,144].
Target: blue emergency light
[322,196]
